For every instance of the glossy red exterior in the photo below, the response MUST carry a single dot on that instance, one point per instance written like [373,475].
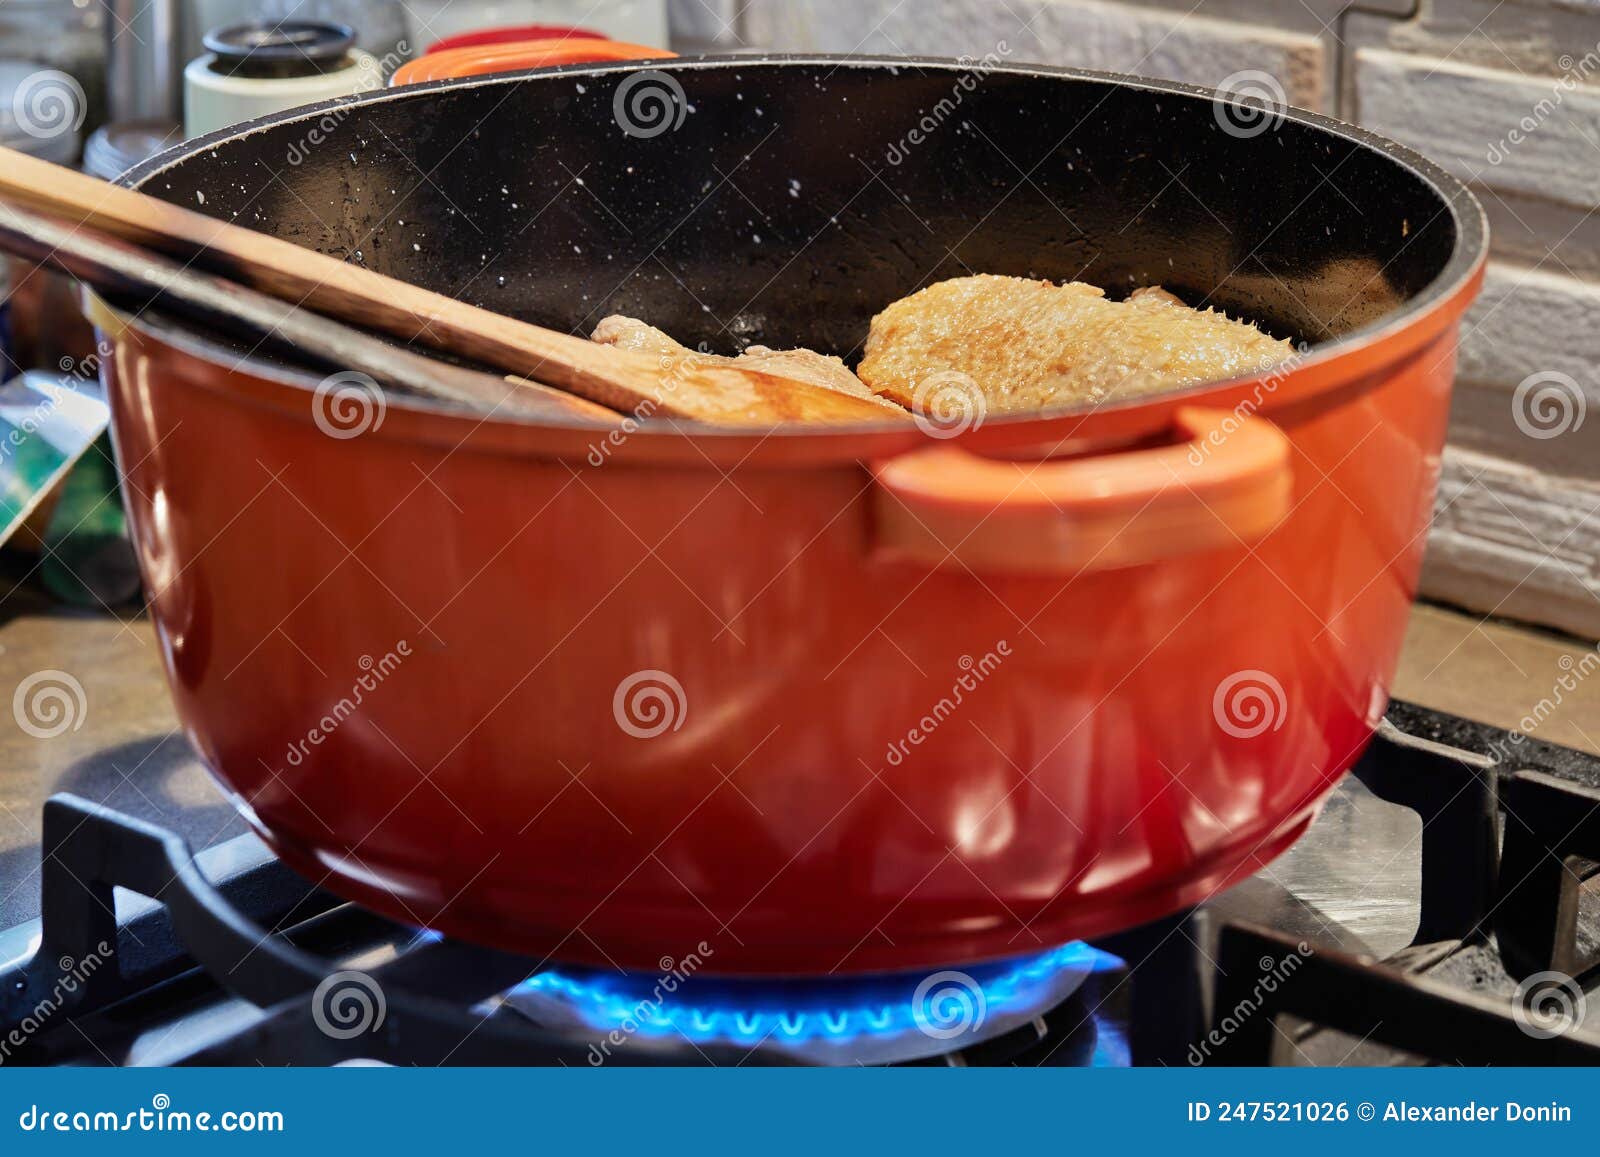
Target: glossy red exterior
[606,699]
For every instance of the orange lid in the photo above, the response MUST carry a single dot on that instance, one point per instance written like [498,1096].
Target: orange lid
[486,58]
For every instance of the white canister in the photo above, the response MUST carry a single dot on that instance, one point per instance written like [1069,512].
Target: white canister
[252,70]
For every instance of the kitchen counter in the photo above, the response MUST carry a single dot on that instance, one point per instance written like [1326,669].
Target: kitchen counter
[1544,684]
[128,753]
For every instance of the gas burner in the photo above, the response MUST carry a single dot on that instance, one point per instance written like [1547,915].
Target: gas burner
[880,1019]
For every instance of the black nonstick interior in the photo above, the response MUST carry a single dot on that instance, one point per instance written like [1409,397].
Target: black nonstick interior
[795,198]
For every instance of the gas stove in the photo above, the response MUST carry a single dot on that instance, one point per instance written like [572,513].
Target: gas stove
[1439,910]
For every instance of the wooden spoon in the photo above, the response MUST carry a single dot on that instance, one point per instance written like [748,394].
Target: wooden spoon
[119,268]
[619,379]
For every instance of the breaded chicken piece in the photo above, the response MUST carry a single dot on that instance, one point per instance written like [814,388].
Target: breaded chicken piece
[1031,344]
[799,365]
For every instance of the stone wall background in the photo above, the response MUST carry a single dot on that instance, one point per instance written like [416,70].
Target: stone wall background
[1504,94]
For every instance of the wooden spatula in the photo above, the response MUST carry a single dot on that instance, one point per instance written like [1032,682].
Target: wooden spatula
[618,379]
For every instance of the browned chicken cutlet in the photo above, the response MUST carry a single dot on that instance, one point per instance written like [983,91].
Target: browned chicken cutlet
[1031,344]
[799,365]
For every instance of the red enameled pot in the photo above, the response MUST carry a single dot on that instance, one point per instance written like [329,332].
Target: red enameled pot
[517,55]
[828,700]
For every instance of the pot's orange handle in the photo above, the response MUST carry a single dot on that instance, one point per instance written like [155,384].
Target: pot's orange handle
[1225,484]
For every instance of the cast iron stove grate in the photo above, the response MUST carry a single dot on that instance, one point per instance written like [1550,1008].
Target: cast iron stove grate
[199,965]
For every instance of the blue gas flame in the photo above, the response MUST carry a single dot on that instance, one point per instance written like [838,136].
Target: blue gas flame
[841,1010]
